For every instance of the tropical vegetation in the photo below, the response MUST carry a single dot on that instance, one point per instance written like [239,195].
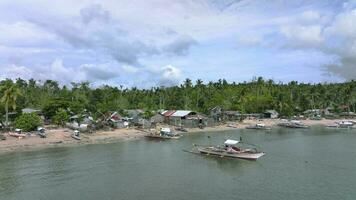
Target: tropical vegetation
[256,96]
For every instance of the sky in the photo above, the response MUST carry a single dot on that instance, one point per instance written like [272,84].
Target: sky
[148,43]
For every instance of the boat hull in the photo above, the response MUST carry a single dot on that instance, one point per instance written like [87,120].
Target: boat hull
[162,137]
[245,156]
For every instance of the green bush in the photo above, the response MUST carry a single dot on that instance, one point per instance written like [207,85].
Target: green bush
[28,121]
[61,117]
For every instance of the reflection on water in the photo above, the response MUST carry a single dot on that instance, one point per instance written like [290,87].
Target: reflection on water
[314,163]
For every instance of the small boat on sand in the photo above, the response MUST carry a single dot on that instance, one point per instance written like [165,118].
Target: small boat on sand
[164,133]
[259,127]
[292,124]
[230,149]
[345,124]
[231,125]
[18,134]
[41,132]
[76,135]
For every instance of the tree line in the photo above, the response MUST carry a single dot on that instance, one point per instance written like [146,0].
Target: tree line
[254,96]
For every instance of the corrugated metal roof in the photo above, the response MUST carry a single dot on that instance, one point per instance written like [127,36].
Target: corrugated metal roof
[181,113]
[168,113]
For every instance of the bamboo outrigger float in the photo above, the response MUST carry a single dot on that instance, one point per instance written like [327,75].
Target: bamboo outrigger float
[229,150]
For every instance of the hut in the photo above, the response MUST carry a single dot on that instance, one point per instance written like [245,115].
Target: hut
[271,114]
[157,118]
[216,113]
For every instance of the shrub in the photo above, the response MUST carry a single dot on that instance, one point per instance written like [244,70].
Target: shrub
[61,117]
[28,121]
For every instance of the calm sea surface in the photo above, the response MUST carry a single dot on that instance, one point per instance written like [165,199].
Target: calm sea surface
[300,164]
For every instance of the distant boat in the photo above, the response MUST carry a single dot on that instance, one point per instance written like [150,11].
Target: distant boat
[164,133]
[292,124]
[345,124]
[41,132]
[232,125]
[259,127]
[76,135]
[18,134]
[230,149]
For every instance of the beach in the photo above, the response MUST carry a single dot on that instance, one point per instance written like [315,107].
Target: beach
[60,137]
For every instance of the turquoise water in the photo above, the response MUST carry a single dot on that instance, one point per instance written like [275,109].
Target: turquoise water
[300,164]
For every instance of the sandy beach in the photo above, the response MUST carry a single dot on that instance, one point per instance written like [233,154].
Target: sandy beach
[60,137]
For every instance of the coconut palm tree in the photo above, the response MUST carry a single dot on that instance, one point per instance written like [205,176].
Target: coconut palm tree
[10,94]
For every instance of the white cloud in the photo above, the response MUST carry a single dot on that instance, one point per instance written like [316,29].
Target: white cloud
[309,35]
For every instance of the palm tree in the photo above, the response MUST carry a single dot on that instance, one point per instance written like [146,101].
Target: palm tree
[10,94]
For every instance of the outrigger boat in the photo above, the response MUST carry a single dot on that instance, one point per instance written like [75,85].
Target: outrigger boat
[229,150]
[259,127]
[18,134]
[76,135]
[293,124]
[164,133]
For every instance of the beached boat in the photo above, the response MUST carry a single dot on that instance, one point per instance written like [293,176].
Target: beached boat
[259,127]
[76,135]
[292,124]
[230,149]
[342,124]
[41,132]
[232,126]
[164,133]
[345,124]
[18,134]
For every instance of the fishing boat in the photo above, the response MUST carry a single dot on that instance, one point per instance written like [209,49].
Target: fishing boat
[345,124]
[230,149]
[259,127]
[41,132]
[76,135]
[231,125]
[18,134]
[292,124]
[164,133]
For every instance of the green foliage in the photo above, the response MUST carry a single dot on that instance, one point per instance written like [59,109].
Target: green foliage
[53,105]
[28,121]
[61,117]
[147,114]
[248,97]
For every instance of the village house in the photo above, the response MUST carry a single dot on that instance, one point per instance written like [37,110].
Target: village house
[271,114]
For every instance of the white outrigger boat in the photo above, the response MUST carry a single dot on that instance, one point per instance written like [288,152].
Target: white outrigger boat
[164,133]
[259,126]
[229,150]
[292,124]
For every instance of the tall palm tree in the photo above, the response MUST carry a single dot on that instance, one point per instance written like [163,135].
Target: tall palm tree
[10,94]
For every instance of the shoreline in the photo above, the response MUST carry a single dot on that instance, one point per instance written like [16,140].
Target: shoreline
[61,137]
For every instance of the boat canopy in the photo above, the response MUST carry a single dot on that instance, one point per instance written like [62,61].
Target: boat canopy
[231,142]
[166,130]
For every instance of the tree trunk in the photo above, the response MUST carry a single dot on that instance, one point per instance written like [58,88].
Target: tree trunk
[7,115]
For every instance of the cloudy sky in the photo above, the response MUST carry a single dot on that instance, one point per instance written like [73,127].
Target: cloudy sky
[148,43]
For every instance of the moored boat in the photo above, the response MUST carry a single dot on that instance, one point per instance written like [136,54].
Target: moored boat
[164,133]
[231,150]
[18,134]
[292,124]
[345,124]
[259,126]
[76,135]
